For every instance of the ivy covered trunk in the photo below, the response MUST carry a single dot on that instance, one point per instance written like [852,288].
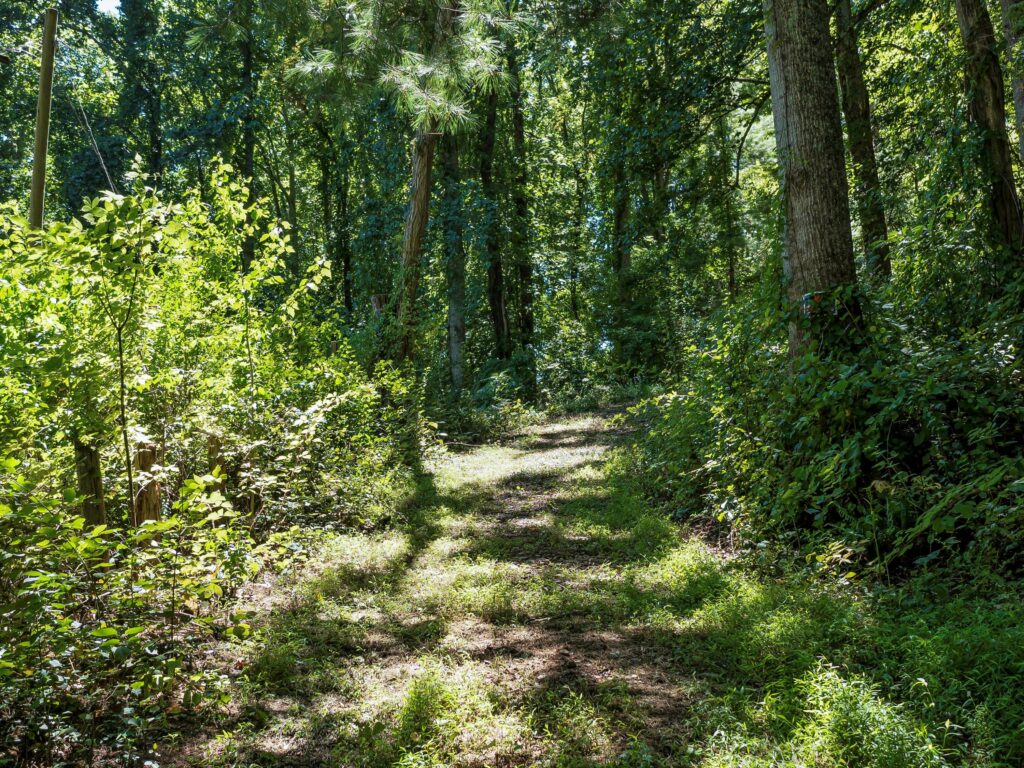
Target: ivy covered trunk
[817,241]
[416,219]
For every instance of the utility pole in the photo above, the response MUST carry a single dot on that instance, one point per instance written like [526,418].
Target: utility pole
[35,211]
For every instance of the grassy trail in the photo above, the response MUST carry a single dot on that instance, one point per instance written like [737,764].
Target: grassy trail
[531,611]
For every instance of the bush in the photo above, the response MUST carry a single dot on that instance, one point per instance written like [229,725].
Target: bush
[902,451]
[138,324]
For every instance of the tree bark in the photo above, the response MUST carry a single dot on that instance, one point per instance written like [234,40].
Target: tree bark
[343,245]
[248,84]
[987,106]
[1013,27]
[416,220]
[90,482]
[621,260]
[579,216]
[520,240]
[492,237]
[147,496]
[730,234]
[818,244]
[455,258]
[857,110]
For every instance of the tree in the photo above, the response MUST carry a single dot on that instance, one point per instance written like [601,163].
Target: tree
[492,231]
[1013,26]
[430,58]
[818,244]
[520,238]
[857,110]
[455,259]
[984,82]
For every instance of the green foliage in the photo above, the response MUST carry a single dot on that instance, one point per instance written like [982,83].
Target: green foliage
[138,322]
[99,622]
[908,449]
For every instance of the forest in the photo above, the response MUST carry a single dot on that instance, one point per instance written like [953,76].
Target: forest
[493,383]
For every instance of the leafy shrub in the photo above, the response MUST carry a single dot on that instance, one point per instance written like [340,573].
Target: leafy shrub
[906,449]
[138,323]
[97,621]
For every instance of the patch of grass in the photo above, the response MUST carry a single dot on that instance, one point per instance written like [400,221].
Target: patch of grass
[846,723]
[551,571]
[576,732]
[448,715]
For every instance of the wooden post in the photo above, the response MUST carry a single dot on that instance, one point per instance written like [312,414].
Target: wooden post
[35,211]
[147,497]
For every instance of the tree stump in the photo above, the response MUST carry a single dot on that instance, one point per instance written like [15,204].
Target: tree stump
[215,460]
[147,497]
[90,482]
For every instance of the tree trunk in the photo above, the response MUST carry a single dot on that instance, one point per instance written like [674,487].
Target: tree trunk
[416,219]
[455,258]
[987,104]
[327,202]
[857,109]
[248,83]
[343,246]
[90,482]
[579,228]
[520,240]
[579,217]
[731,236]
[147,496]
[620,236]
[818,244]
[1013,26]
[492,237]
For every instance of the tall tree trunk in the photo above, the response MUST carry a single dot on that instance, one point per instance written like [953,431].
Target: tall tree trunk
[455,258]
[248,84]
[520,240]
[492,237]
[326,164]
[579,216]
[987,104]
[1013,27]
[579,228]
[621,257]
[857,109]
[343,245]
[731,237]
[818,244]
[416,219]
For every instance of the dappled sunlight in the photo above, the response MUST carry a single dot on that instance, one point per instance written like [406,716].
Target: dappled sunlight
[533,611]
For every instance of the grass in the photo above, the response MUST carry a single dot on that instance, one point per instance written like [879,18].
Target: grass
[531,610]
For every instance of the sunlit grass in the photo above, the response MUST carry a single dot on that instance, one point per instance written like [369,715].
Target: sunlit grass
[530,610]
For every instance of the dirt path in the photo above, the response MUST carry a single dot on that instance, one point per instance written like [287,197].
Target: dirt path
[517,619]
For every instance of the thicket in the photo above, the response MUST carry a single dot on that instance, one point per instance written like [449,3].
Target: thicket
[172,421]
